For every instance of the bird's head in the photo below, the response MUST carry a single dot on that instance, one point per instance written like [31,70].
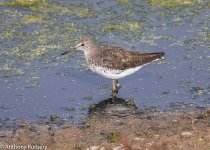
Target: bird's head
[85,44]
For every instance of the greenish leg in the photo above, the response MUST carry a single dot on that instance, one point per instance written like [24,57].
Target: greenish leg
[113,90]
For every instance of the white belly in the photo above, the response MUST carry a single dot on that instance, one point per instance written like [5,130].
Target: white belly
[114,74]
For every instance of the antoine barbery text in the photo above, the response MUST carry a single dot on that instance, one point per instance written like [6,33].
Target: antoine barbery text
[22,147]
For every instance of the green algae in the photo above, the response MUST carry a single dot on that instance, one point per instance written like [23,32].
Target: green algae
[10,70]
[123,27]
[38,43]
[7,67]
[89,98]
[83,13]
[47,7]
[33,45]
[175,3]
[34,53]
[112,27]
[71,99]
[22,3]
[28,19]
[104,86]
[7,34]
[70,109]
[198,90]
[114,136]
[33,85]
[125,3]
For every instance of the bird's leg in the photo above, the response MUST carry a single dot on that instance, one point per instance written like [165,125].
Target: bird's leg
[113,86]
[118,86]
[113,89]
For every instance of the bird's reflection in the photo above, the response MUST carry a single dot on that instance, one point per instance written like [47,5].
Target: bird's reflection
[117,107]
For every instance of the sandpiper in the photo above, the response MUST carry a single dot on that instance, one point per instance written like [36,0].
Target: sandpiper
[114,62]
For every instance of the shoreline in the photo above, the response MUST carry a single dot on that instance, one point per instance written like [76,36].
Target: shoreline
[181,129]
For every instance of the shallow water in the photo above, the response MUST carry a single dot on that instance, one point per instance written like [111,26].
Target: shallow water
[35,81]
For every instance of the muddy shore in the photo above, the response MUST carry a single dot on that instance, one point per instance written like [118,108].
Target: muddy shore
[171,130]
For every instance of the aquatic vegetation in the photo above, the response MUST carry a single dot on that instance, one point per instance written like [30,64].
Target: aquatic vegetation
[22,3]
[89,98]
[10,70]
[7,34]
[83,13]
[125,3]
[34,53]
[197,90]
[205,35]
[70,108]
[63,74]
[7,67]
[111,27]
[34,84]
[155,37]
[114,136]
[28,19]
[71,99]
[174,3]
[104,87]
[34,45]
[123,27]
[47,7]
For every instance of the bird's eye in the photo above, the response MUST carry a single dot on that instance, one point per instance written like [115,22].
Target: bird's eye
[82,44]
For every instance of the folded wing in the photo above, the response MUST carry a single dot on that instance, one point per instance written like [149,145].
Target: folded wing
[121,59]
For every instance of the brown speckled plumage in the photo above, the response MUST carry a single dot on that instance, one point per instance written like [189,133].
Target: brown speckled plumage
[114,57]
[121,59]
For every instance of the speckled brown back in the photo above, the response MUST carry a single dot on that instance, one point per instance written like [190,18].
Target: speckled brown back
[114,57]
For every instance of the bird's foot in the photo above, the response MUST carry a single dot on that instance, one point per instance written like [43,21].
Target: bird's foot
[114,93]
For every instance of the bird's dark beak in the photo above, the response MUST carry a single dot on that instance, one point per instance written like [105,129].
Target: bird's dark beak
[66,52]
